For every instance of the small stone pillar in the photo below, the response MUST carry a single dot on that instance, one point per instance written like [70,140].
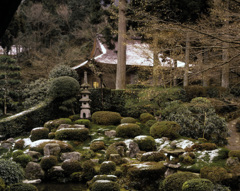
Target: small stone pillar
[85,112]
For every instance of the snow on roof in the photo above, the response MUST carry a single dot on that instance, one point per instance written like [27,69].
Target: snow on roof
[138,54]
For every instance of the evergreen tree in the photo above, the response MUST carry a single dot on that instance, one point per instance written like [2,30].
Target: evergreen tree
[9,81]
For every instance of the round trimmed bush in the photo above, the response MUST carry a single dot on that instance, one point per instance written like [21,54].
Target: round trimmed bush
[215,173]
[175,181]
[85,122]
[16,153]
[97,145]
[150,123]
[39,133]
[23,160]
[74,117]
[128,130]
[63,87]
[105,185]
[51,135]
[144,117]
[11,172]
[107,167]
[198,184]
[71,166]
[48,162]
[78,134]
[128,120]
[88,170]
[145,143]
[19,144]
[63,70]
[23,187]
[106,118]
[168,129]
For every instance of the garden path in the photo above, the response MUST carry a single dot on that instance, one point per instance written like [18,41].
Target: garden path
[234,139]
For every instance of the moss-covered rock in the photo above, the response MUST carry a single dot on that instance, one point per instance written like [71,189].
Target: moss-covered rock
[71,166]
[23,187]
[128,130]
[23,159]
[48,162]
[168,129]
[19,144]
[144,117]
[105,185]
[39,133]
[106,118]
[107,167]
[234,153]
[113,149]
[97,145]
[54,124]
[145,143]
[175,181]
[214,173]
[155,156]
[88,171]
[198,184]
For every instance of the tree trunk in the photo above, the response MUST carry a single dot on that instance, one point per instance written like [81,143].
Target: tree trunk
[156,62]
[206,73]
[187,52]
[225,56]
[121,65]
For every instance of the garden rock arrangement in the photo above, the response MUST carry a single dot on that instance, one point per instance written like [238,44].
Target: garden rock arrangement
[112,153]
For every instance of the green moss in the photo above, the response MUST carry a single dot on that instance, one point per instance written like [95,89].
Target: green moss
[198,184]
[145,143]
[39,133]
[16,153]
[107,167]
[128,120]
[215,174]
[85,122]
[79,134]
[23,187]
[144,117]
[105,185]
[234,153]
[168,129]
[48,162]
[106,118]
[175,181]
[2,185]
[23,159]
[128,130]
[54,124]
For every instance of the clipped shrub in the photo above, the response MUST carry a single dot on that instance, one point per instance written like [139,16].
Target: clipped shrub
[153,156]
[144,117]
[195,91]
[39,133]
[168,129]
[74,117]
[63,87]
[23,187]
[128,130]
[85,122]
[48,162]
[215,173]
[23,159]
[11,172]
[107,167]
[53,124]
[78,134]
[19,144]
[105,185]
[128,120]
[198,184]
[234,153]
[65,147]
[51,135]
[145,143]
[63,70]
[71,166]
[222,154]
[106,118]
[150,123]
[97,145]
[175,181]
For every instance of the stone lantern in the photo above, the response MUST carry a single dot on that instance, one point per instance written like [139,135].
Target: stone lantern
[85,112]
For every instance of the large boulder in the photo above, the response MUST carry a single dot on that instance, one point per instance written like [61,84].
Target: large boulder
[34,171]
[71,155]
[51,149]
